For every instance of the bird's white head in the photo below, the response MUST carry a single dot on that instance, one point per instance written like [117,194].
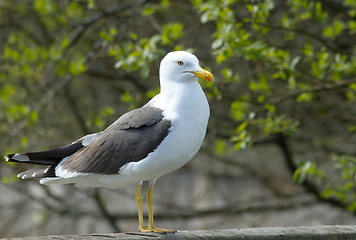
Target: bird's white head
[181,66]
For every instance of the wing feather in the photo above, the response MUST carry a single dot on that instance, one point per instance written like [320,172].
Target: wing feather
[129,139]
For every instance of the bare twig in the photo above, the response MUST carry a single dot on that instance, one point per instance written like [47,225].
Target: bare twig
[111,219]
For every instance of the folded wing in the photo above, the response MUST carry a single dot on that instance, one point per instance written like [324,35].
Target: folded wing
[129,139]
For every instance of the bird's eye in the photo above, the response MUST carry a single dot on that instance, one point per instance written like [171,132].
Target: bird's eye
[180,63]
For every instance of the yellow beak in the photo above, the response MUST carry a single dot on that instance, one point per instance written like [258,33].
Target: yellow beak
[204,74]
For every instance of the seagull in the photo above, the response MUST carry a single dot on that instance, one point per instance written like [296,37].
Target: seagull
[142,145]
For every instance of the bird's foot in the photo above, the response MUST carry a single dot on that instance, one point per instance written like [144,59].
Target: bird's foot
[156,230]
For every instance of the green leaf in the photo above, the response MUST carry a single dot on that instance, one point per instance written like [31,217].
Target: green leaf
[45,6]
[33,117]
[9,180]
[165,3]
[78,66]
[148,11]
[305,97]
[352,207]
[74,10]
[171,32]
[242,140]
[352,27]
[24,141]
[352,128]
[65,42]
[220,147]
[151,93]
[239,109]
[242,126]
[227,73]
[334,29]
[126,97]
[305,169]
[349,185]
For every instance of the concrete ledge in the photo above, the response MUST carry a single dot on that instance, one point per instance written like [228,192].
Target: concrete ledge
[276,233]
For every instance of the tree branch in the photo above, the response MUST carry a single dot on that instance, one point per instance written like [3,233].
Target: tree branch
[281,141]
[111,219]
[320,88]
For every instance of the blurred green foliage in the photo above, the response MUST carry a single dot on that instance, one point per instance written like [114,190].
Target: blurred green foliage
[339,185]
[279,65]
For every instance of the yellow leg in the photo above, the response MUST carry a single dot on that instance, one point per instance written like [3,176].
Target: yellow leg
[151,224]
[139,198]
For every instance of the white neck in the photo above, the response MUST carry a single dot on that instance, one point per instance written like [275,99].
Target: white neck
[182,99]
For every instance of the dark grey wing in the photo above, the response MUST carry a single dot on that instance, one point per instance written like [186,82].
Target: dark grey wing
[129,139]
[50,157]
[145,116]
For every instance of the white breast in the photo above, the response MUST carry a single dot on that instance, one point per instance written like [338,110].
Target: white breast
[188,110]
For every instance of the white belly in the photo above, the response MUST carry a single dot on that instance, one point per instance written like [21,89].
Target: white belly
[179,147]
[189,121]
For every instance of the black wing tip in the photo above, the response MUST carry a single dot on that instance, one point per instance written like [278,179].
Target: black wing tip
[18,157]
[8,158]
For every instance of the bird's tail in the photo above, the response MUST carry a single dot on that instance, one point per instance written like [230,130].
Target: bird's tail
[38,173]
[51,157]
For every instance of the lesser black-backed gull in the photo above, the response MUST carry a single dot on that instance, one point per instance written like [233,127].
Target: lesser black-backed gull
[141,145]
